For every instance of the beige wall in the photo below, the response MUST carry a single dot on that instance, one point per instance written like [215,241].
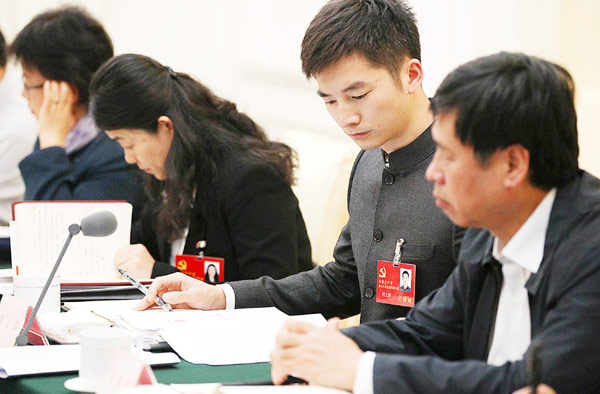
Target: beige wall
[580,50]
[248,51]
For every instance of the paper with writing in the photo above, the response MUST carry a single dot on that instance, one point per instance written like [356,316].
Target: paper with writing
[239,336]
[12,318]
[40,229]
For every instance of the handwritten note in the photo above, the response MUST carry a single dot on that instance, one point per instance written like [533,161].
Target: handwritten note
[40,229]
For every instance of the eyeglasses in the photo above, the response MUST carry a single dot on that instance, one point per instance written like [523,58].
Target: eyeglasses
[29,88]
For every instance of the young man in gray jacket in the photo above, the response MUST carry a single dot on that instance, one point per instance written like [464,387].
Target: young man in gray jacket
[365,57]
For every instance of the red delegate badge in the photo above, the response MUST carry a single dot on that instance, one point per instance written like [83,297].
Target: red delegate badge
[208,269]
[396,283]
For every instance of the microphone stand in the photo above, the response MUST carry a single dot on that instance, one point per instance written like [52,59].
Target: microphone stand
[74,229]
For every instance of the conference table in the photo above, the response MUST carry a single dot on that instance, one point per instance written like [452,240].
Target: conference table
[183,372]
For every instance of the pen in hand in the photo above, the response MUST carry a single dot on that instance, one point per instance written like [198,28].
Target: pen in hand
[143,289]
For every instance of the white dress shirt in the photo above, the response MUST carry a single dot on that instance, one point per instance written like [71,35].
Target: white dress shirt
[520,258]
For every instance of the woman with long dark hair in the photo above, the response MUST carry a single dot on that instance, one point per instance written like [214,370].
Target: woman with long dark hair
[217,181]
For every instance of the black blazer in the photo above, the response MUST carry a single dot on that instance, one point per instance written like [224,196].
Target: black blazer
[253,222]
[451,329]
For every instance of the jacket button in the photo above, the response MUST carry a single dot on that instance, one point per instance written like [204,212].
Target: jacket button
[388,179]
[377,236]
[369,292]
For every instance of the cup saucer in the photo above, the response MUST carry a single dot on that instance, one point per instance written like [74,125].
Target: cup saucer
[76,384]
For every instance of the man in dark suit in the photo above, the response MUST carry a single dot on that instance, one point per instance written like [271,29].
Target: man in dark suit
[529,268]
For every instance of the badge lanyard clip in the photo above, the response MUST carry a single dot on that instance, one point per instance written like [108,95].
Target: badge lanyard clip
[200,245]
[398,252]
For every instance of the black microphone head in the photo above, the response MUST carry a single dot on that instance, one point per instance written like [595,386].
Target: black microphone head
[99,224]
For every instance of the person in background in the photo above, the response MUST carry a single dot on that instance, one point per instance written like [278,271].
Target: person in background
[59,51]
[365,56]
[528,280]
[219,186]
[17,135]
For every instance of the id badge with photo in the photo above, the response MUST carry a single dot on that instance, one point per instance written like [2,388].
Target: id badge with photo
[396,283]
[205,268]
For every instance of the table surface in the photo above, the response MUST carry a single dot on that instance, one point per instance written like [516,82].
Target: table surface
[183,372]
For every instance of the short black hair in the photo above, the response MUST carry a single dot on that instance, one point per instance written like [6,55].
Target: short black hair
[64,44]
[383,31]
[511,98]
[405,272]
[3,50]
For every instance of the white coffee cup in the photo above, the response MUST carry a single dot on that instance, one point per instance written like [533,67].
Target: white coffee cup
[27,288]
[97,347]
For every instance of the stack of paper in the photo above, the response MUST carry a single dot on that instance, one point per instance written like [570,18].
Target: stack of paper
[39,230]
[31,360]
[239,336]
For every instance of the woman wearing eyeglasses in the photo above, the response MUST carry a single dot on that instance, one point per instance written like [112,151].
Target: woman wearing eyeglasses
[59,51]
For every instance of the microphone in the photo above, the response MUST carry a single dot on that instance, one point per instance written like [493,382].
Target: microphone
[99,224]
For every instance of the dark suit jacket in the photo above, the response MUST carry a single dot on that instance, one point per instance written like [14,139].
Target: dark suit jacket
[97,171]
[253,222]
[385,204]
[451,330]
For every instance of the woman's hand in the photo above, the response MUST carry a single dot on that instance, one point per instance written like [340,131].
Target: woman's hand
[184,292]
[56,118]
[136,260]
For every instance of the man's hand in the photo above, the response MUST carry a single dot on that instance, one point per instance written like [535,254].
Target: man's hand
[319,355]
[56,118]
[183,292]
[136,260]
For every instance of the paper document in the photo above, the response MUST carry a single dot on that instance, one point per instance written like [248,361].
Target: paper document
[67,326]
[239,336]
[40,229]
[12,319]
[31,360]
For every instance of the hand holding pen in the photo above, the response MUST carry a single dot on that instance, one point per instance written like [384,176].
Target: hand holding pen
[184,292]
[143,289]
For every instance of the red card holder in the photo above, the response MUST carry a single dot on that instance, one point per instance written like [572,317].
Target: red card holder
[36,335]
[196,266]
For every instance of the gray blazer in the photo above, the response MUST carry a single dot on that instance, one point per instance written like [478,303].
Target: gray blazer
[385,204]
